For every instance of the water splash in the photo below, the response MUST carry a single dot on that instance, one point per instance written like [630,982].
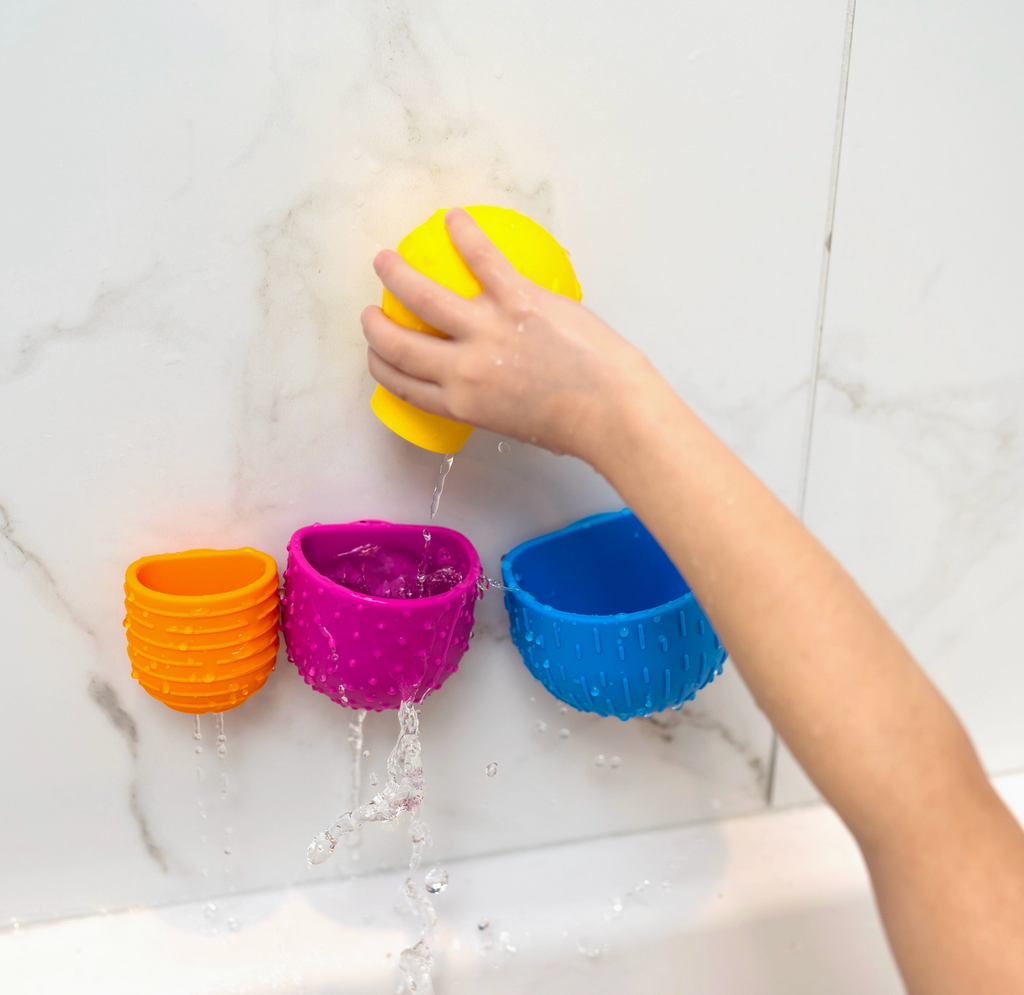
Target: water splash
[397,571]
[402,792]
[417,963]
[442,473]
[484,584]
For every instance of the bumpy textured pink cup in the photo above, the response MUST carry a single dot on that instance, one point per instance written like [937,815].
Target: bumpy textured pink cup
[369,651]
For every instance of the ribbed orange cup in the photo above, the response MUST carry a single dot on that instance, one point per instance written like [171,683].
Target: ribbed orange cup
[202,626]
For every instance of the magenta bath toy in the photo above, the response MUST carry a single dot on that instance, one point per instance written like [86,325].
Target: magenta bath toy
[375,613]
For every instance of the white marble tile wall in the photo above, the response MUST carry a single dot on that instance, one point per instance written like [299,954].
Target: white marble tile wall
[916,476]
[191,196]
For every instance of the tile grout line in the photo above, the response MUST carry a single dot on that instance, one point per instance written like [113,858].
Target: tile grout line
[826,259]
[819,316]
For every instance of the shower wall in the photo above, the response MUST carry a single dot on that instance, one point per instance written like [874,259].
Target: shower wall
[192,197]
[916,472]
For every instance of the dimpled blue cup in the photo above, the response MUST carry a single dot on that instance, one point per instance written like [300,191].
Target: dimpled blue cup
[605,621]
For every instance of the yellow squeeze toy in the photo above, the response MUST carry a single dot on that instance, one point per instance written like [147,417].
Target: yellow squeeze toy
[429,249]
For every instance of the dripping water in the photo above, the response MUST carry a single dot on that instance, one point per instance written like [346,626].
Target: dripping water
[355,742]
[222,740]
[222,754]
[421,570]
[442,473]
[197,736]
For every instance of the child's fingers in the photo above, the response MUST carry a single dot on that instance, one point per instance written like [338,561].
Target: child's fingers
[424,357]
[420,393]
[428,300]
[488,263]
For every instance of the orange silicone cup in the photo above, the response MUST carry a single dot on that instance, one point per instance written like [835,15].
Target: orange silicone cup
[202,626]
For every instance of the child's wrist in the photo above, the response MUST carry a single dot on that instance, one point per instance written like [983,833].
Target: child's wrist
[632,413]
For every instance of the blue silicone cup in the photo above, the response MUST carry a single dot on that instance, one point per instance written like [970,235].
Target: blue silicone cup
[605,621]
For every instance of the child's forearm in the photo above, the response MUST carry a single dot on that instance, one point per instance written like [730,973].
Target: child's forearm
[819,659]
[862,718]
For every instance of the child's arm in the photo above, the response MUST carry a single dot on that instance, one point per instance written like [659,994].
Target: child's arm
[946,857]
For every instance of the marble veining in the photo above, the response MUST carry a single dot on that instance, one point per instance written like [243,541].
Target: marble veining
[106,697]
[181,365]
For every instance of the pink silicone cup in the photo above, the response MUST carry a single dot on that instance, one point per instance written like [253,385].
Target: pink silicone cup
[373,652]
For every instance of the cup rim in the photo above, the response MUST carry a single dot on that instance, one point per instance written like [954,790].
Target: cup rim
[515,591]
[219,603]
[467,584]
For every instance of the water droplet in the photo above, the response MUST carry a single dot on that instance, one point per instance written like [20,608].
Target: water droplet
[615,761]
[482,924]
[320,849]
[374,780]
[540,725]
[563,733]
[564,710]
[491,769]
[233,924]
[366,753]
[436,880]
[503,447]
[599,760]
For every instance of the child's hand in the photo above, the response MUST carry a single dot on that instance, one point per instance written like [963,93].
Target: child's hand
[518,360]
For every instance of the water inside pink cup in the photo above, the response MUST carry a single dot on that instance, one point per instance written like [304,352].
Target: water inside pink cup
[393,571]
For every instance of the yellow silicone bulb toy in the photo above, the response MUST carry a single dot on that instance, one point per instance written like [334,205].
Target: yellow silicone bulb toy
[529,247]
